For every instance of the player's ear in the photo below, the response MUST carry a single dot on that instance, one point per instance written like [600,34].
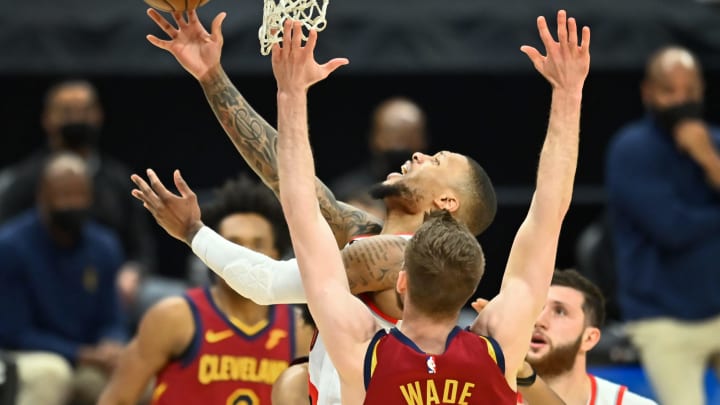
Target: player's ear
[447,201]
[590,338]
[401,284]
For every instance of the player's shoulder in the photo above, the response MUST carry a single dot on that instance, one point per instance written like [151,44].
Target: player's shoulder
[361,240]
[628,397]
[631,398]
[169,312]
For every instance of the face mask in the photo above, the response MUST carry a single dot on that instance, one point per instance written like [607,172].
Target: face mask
[69,221]
[78,135]
[389,161]
[668,118]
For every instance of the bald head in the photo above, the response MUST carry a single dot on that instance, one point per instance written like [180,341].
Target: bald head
[665,60]
[65,184]
[398,123]
[673,76]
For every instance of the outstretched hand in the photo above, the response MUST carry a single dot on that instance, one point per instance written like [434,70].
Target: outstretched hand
[567,62]
[294,65]
[179,215]
[197,50]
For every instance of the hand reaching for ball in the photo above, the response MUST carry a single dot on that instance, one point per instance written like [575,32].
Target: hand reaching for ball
[197,50]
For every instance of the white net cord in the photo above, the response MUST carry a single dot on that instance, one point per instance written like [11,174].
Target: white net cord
[311,13]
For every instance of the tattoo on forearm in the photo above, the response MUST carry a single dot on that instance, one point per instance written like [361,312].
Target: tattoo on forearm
[253,137]
[256,140]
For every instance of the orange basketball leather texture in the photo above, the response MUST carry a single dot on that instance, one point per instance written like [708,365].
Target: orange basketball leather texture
[175,5]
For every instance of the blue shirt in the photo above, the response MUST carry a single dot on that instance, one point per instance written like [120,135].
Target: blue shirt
[666,226]
[54,298]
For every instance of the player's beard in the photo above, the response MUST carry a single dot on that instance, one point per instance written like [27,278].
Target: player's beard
[558,360]
[380,191]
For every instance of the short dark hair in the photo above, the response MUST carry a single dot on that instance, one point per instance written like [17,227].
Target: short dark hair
[444,264]
[593,299]
[243,195]
[479,204]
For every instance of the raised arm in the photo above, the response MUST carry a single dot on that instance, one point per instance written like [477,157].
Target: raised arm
[199,53]
[345,324]
[532,257]
[372,264]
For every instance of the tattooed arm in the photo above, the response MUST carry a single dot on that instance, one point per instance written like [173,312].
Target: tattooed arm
[256,140]
[373,263]
[199,53]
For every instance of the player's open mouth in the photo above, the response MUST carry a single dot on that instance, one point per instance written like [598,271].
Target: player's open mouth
[538,340]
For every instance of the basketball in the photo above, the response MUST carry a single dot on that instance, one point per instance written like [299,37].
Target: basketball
[175,5]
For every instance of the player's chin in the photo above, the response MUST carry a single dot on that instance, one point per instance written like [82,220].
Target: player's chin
[392,178]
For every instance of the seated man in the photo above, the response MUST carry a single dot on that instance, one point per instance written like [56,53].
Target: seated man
[59,306]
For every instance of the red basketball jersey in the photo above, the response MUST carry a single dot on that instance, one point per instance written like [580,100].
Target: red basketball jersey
[469,372]
[225,364]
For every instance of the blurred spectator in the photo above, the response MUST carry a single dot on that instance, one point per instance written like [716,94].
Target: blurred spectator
[398,130]
[59,306]
[72,119]
[664,205]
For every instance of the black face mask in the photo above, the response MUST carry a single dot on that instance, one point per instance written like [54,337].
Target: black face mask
[668,118]
[69,221]
[78,135]
[389,161]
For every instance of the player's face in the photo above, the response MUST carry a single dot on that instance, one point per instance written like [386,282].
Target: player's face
[422,176]
[250,230]
[559,328]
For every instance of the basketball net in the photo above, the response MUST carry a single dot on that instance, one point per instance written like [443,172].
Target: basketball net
[311,13]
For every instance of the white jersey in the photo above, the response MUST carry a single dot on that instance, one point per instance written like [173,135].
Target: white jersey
[604,392]
[324,379]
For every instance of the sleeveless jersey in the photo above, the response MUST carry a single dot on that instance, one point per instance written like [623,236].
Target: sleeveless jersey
[604,392]
[226,364]
[469,372]
[323,378]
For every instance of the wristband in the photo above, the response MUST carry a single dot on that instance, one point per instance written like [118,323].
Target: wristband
[527,381]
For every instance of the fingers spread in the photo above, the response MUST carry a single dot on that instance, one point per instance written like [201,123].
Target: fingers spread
[312,40]
[333,64]
[216,27]
[532,53]
[562,28]
[147,195]
[585,47]
[296,35]
[179,19]
[158,42]
[181,185]
[545,35]
[162,23]
[157,185]
[572,33]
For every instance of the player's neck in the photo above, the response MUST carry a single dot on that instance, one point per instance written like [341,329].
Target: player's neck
[238,307]
[573,386]
[398,222]
[429,334]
